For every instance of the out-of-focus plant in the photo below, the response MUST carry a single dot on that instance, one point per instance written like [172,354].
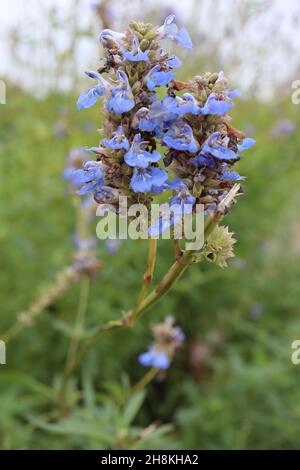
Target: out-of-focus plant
[85,263]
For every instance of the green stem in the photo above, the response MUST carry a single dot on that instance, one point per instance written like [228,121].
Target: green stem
[148,276]
[177,248]
[84,294]
[166,283]
[148,377]
[79,324]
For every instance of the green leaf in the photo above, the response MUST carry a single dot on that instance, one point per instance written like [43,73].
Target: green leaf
[132,408]
[73,426]
[27,381]
[153,440]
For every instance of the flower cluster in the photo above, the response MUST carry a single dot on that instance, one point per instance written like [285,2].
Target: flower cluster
[167,339]
[159,134]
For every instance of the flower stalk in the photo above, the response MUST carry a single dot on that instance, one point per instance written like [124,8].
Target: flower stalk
[148,276]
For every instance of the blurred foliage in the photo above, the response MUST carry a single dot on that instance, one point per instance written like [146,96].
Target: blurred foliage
[232,385]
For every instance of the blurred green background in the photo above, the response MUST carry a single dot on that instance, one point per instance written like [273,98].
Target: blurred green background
[233,384]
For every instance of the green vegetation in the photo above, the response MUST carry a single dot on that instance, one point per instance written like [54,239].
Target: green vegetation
[232,385]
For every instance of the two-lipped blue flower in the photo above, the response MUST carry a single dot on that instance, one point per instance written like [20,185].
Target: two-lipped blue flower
[135,54]
[217,146]
[88,179]
[144,180]
[170,30]
[121,100]
[143,120]
[180,137]
[171,61]
[157,77]
[219,103]
[181,105]
[89,98]
[137,157]
[216,105]
[118,140]
[155,358]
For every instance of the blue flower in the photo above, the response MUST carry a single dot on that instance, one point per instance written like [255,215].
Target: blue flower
[217,147]
[144,179]
[157,77]
[180,137]
[184,200]
[171,216]
[135,55]
[112,245]
[173,62]
[170,30]
[219,103]
[137,157]
[182,105]
[118,140]
[180,204]
[111,39]
[162,116]
[89,98]
[76,158]
[246,144]
[234,93]
[143,121]
[175,184]
[215,105]
[88,179]
[121,100]
[105,194]
[155,358]
[231,176]
[204,160]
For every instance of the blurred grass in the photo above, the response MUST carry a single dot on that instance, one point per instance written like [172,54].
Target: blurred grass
[233,384]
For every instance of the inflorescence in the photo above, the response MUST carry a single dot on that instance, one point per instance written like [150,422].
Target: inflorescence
[159,134]
[167,340]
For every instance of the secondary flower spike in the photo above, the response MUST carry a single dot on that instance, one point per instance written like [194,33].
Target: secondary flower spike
[167,340]
[159,135]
